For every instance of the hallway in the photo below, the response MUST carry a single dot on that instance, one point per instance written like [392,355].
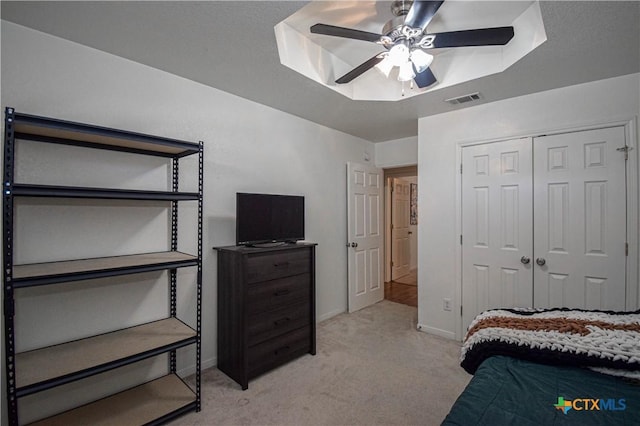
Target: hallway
[403,290]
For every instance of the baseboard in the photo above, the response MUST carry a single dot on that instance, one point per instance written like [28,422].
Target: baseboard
[328,315]
[436,331]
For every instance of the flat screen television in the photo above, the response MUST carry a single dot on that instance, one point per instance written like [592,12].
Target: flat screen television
[269,218]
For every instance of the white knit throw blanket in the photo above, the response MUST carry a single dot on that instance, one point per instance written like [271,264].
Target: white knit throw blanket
[607,342]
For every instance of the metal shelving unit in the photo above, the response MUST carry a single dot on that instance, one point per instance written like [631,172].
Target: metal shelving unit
[33,371]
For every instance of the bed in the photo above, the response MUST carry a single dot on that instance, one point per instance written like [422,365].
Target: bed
[550,367]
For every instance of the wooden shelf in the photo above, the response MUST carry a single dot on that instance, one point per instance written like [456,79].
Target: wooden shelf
[140,405]
[54,365]
[35,274]
[25,190]
[43,129]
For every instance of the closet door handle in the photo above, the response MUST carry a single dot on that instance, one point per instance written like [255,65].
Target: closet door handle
[525,260]
[540,261]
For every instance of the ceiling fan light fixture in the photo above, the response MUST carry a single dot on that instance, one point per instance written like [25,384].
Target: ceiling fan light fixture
[399,54]
[420,59]
[385,66]
[406,72]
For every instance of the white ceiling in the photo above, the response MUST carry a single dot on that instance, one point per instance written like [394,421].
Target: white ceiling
[231,46]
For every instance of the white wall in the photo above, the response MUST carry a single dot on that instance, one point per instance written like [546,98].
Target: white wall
[599,102]
[248,147]
[397,153]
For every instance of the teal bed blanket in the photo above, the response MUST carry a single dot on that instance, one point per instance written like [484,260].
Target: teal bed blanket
[512,391]
[546,367]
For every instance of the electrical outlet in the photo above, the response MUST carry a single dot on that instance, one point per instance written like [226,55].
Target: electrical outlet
[447,304]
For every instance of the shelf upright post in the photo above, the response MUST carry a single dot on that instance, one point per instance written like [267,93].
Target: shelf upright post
[199,278]
[9,305]
[173,273]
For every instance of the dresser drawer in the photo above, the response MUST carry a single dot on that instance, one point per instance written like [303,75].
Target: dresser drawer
[270,354]
[270,266]
[277,294]
[268,325]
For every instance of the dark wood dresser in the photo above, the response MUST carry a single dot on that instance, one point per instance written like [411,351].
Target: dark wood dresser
[266,308]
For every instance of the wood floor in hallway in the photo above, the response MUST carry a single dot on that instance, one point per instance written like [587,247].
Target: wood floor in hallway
[406,294]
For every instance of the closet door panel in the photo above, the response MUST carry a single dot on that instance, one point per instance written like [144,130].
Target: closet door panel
[496,226]
[580,220]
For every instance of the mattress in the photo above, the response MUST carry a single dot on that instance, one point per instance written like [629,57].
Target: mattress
[510,391]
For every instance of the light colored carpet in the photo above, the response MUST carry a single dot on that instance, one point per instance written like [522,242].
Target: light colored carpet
[410,279]
[372,368]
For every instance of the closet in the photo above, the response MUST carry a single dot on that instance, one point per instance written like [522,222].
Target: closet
[544,222]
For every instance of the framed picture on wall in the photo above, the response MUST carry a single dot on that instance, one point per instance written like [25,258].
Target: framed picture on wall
[413,206]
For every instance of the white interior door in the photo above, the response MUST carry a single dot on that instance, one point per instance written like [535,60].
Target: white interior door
[364,229]
[496,227]
[401,243]
[580,216]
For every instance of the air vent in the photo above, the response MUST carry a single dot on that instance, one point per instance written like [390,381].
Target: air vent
[464,98]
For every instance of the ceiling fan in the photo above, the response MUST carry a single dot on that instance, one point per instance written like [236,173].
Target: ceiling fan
[406,39]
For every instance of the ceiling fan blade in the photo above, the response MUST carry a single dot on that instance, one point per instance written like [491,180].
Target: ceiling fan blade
[425,78]
[359,70]
[421,13]
[481,37]
[332,30]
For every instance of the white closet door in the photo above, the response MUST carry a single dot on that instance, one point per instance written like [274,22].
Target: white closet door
[401,249]
[579,220]
[496,226]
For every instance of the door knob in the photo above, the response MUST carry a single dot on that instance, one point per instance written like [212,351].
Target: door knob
[354,245]
[525,260]
[540,261]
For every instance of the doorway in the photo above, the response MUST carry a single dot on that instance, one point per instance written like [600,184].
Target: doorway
[401,236]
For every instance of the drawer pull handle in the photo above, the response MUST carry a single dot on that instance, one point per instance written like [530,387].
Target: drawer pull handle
[281,350]
[281,321]
[279,265]
[282,292]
